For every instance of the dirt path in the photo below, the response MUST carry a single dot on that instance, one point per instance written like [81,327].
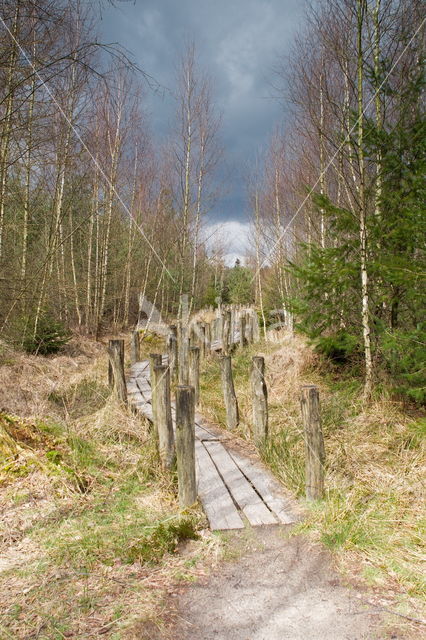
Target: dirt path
[277,590]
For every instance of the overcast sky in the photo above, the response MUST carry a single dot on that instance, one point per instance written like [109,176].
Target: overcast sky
[238,42]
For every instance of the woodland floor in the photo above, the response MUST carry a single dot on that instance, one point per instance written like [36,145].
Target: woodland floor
[84,492]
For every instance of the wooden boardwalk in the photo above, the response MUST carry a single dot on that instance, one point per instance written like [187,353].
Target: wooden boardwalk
[233,489]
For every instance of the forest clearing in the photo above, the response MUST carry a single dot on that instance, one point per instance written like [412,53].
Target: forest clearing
[212,333]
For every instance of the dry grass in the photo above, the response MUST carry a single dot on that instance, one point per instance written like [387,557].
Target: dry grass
[203,316]
[26,381]
[373,514]
[92,541]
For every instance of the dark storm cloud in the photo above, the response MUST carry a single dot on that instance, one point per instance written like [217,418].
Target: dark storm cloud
[237,42]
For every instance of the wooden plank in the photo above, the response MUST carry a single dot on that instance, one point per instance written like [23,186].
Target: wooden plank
[143,385]
[145,391]
[267,487]
[135,395]
[216,345]
[241,490]
[145,409]
[202,434]
[138,368]
[203,424]
[217,503]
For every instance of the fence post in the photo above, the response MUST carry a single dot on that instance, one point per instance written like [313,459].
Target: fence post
[243,339]
[234,324]
[185,445]
[184,308]
[314,442]
[249,327]
[215,329]
[219,325]
[208,337]
[202,338]
[194,372]
[172,346]
[120,346]
[230,399]
[226,332]
[259,394]
[155,360]
[192,334]
[117,380]
[183,352]
[135,347]
[256,329]
[163,416]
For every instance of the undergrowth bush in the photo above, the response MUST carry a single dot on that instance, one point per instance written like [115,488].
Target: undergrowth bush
[49,337]
[404,354]
[339,347]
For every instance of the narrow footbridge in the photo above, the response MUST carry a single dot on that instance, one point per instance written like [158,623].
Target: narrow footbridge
[233,489]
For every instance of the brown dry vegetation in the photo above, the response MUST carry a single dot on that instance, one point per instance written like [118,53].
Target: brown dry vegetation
[92,541]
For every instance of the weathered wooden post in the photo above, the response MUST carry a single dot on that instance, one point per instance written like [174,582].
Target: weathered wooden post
[185,445]
[226,332]
[234,324]
[314,442]
[172,348]
[193,335]
[135,347]
[242,327]
[229,397]
[215,325]
[119,344]
[202,338]
[163,416]
[208,337]
[183,350]
[249,327]
[116,369]
[194,372]
[255,325]
[184,308]
[155,360]
[259,394]
[219,322]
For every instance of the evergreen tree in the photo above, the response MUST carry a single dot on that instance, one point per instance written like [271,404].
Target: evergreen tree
[239,283]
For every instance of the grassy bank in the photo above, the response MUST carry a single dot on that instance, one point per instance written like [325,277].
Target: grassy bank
[375,460]
[92,539]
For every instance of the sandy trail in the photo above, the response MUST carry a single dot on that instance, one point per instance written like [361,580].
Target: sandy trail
[277,590]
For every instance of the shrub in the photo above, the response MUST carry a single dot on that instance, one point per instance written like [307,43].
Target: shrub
[49,337]
[404,353]
[339,347]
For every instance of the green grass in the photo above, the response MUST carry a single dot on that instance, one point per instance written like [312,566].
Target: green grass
[114,528]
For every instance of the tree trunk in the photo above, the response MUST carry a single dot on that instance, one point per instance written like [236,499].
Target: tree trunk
[361,7]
